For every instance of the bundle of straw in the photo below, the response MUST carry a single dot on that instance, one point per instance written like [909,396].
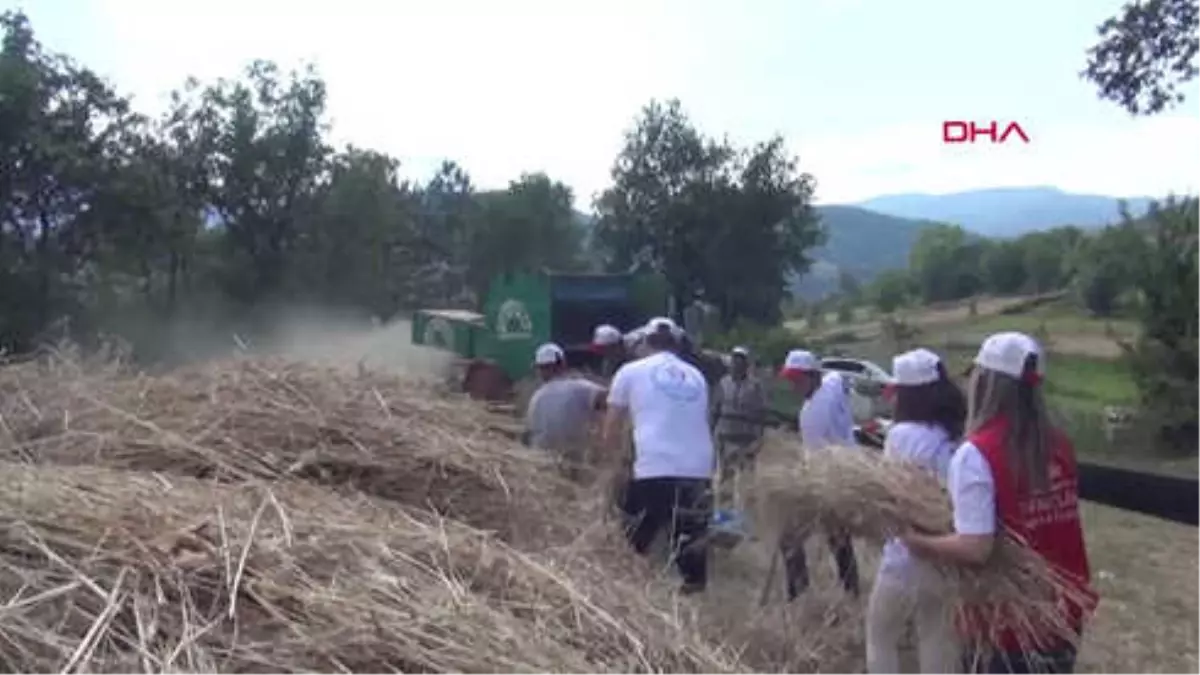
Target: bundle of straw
[111,571]
[245,419]
[876,498]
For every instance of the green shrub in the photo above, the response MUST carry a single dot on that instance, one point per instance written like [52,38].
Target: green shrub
[845,313]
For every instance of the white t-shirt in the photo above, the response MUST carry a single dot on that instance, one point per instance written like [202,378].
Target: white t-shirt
[972,491]
[667,400]
[930,448]
[560,411]
[825,418]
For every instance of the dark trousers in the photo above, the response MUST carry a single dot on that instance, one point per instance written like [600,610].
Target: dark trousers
[1059,660]
[795,563]
[682,504]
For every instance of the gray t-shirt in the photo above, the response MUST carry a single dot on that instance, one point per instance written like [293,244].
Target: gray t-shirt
[560,412]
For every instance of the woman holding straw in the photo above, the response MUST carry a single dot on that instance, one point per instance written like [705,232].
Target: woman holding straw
[1015,472]
[929,414]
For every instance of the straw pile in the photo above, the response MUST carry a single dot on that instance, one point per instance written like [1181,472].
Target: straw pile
[256,515]
[875,497]
[111,571]
[262,419]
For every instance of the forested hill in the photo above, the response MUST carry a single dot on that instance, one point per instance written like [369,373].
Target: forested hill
[1009,211]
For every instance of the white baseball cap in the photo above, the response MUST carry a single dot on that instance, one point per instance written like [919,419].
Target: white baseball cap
[799,361]
[660,323]
[740,351]
[548,355]
[1006,353]
[915,368]
[606,335]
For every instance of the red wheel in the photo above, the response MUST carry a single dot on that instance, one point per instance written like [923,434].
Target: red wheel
[486,381]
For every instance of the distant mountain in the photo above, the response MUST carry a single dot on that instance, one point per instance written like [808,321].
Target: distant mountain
[1008,212]
[861,242]
[864,242]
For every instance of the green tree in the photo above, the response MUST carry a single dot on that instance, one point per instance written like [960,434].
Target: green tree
[763,228]
[730,224]
[1164,357]
[528,227]
[266,154]
[890,290]
[61,129]
[352,246]
[945,263]
[449,213]
[849,286]
[1047,255]
[1004,267]
[1145,54]
[1106,266]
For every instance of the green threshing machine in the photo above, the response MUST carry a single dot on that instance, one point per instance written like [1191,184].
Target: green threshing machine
[524,310]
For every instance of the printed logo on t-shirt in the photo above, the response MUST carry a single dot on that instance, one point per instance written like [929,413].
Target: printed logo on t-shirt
[671,379]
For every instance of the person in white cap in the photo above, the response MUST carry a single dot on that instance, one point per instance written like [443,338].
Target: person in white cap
[1015,471]
[634,346]
[562,409]
[609,344]
[929,413]
[825,419]
[739,410]
[666,400]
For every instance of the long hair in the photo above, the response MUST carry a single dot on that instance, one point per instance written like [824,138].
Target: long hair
[940,403]
[1028,446]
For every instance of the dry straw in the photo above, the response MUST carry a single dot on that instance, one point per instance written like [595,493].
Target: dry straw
[875,497]
[261,419]
[119,571]
[257,515]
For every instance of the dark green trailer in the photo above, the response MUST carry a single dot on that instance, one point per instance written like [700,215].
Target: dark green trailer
[454,330]
[524,310]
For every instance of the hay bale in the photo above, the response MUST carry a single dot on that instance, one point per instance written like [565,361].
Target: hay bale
[244,419]
[876,497]
[114,571]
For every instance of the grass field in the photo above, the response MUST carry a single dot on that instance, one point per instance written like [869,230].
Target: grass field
[1145,570]
[1085,369]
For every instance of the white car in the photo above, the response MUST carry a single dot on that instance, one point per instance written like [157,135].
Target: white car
[869,386]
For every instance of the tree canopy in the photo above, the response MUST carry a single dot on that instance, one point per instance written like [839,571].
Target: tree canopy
[235,201]
[723,223]
[1145,54]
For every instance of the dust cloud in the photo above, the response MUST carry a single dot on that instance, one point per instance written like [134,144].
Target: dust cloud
[326,336]
[385,347]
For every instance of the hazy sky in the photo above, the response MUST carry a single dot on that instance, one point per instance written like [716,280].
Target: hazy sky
[859,88]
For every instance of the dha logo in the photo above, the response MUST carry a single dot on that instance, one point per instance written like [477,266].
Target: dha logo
[513,322]
[438,333]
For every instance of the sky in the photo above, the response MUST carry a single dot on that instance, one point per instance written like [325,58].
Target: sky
[859,89]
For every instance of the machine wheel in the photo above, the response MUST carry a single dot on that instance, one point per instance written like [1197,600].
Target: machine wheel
[484,380]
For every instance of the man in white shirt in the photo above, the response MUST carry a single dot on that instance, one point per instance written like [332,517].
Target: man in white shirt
[561,411]
[825,419]
[666,400]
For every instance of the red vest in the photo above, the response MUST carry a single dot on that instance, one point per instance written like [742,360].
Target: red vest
[1047,521]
